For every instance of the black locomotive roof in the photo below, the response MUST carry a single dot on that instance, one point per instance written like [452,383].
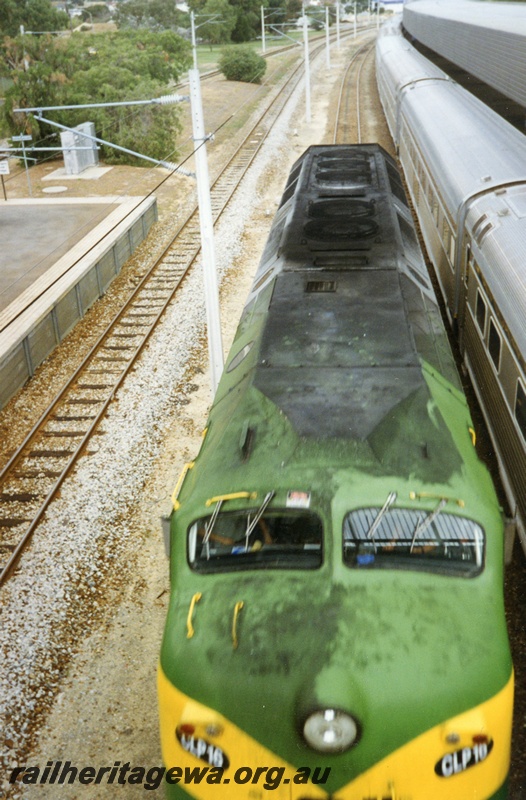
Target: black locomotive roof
[348,322]
[338,354]
[339,209]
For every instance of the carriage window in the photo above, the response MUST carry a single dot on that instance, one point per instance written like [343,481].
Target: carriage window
[449,241]
[446,235]
[241,540]
[520,408]
[480,312]
[494,344]
[452,249]
[416,190]
[403,538]
[430,195]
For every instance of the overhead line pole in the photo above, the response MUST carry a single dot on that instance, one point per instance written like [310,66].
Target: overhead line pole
[194,41]
[327,39]
[215,346]
[271,26]
[206,222]
[308,117]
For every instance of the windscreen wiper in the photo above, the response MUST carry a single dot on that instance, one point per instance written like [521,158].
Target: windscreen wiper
[209,527]
[426,522]
[391,497]
[251,524]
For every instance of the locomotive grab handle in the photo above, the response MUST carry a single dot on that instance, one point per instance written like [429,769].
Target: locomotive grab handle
[237,608]
[232,496]
[175,502]
[420,495]
[189,627]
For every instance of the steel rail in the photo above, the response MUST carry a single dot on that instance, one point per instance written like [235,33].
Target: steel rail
[358,84]
[340,123]
[277,51]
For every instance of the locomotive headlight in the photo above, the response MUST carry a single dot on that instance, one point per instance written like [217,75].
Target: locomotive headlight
[330,731]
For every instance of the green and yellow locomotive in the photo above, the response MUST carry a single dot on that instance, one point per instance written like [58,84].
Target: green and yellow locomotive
[336,625]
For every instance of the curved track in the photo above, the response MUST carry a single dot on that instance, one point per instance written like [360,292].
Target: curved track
[348,121]
[358,117]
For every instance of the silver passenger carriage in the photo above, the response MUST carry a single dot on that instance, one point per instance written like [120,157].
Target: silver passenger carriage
[466,174]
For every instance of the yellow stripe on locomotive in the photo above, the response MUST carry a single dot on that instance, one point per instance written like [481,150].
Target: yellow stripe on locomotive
[437,764]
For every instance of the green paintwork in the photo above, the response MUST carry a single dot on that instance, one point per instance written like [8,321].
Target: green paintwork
[374,642]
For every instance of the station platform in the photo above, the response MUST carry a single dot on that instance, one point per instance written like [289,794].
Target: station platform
[58,255]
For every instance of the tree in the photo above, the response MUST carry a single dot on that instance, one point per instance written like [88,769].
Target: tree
[248,20]
[220,21]
[151,14]
[247,25]
[34,15]
[115,67]
[99,12]
[242,64]
[244,30]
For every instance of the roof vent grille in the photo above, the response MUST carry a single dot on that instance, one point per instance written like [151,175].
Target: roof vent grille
[319,287]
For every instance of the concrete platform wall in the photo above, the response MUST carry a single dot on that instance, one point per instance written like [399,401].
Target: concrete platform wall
[33,325]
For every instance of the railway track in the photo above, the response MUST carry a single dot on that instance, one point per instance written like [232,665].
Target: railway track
[276,51]
[35,472]
[348,121]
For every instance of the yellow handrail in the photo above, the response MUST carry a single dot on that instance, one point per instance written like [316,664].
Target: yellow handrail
[232,496]
[420,495]
[189,627]
[175,502]
[237,608]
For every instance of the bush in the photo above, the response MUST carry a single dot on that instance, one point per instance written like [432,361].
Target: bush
[242,64]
